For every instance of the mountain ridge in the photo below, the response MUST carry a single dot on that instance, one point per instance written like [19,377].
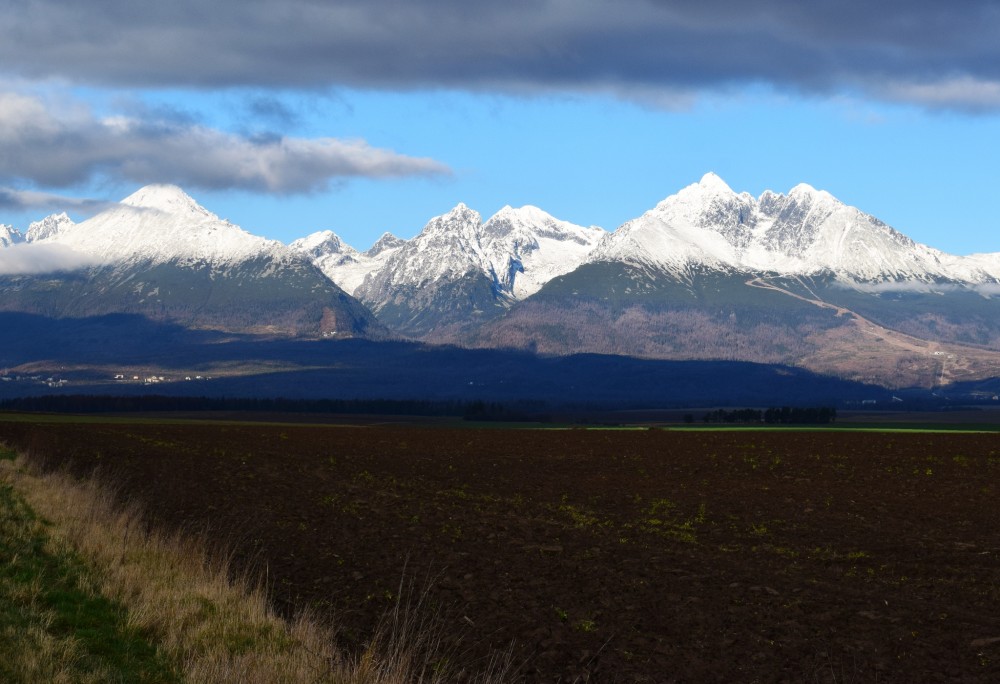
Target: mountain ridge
[707,273]
[160,254]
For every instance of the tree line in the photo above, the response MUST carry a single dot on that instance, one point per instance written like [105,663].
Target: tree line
[79,403]
[785,415]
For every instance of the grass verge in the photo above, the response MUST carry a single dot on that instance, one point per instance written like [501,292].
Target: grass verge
[54,625]
[91,594]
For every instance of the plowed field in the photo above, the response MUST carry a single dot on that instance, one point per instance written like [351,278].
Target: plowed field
[605,556]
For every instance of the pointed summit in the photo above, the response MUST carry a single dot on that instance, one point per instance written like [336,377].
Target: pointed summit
[161,223]
[322,243]
[695,198]
[460,212]
[167,198]
[388,241]
[714,184]
[461,220]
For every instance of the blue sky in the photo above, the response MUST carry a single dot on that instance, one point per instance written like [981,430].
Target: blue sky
[595,126]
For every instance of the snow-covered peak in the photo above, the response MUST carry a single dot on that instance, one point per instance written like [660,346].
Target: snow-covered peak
[714,184]
[457,232]
[322,243]
[387,242]
[802,189]
[160,223]
[340,262]
[526,214]
[531,221]
[527,247]
[166,198]
[9,236]
[460,215]
[518,249]
[704,223]
[48,226]
[807,231]
[694,198]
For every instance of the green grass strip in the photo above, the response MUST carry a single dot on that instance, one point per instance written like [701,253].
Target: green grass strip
[53,627]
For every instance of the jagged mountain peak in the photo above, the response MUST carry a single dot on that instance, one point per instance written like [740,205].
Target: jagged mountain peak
[461,211]
[804,232]
[387,241]
[9,236]
[460,266]
[48,226]
[343,264]
[322,243]
[461,223]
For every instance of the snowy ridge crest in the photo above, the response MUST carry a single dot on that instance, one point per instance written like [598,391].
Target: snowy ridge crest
[805,232]
[519,250]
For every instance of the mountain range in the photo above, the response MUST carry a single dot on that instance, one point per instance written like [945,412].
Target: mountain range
[799,279]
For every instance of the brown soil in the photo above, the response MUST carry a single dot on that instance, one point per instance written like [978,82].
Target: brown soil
[651,556]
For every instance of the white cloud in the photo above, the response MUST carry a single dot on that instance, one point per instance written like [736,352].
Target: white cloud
[66,145]
[964,92]
[921,287]
[34,259]
[30,200]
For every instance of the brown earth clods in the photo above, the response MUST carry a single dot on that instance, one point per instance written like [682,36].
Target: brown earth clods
[603,556]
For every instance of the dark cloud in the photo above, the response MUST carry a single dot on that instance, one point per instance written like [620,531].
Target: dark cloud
[938,54]
[272,110]
[67,146]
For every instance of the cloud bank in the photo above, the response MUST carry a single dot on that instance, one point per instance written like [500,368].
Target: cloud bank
[921,287]
[35,259]
[28,200]
[935,54]
[65,145]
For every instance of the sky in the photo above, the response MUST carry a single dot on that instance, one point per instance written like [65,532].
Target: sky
[365,116]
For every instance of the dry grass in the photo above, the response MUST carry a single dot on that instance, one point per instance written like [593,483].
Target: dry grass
[215,628]
[54,625]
